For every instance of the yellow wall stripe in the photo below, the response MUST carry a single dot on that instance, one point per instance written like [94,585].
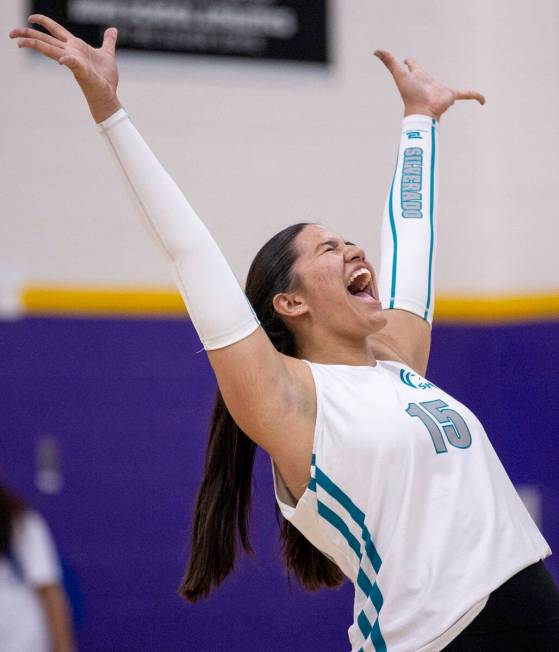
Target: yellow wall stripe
[497,308]
[102,301]
[164,302]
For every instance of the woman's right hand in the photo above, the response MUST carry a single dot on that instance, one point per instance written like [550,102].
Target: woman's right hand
[95,69]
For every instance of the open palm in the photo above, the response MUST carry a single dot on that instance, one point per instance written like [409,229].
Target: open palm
[95,69]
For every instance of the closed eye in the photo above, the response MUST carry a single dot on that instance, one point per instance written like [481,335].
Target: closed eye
[331,245]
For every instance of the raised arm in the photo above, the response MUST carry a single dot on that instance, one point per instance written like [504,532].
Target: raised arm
[258,384]
[408,234]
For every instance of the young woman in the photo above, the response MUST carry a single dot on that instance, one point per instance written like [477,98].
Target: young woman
[34,613]
[382,477]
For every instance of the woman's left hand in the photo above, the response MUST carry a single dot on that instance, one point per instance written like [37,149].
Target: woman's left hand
[420,92]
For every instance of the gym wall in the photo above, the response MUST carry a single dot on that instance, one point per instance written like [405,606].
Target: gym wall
[104,394]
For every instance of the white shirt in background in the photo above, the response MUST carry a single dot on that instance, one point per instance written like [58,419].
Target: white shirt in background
[23,626]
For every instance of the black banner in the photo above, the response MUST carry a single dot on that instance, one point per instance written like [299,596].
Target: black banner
[262,29]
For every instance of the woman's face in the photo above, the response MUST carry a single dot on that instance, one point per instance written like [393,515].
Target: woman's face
[336,284]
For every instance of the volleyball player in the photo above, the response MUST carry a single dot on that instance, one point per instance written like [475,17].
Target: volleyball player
[381,476]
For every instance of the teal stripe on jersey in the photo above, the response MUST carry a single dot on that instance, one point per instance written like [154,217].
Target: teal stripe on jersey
[356,514]
[376,637]
[372,632]
[371,551]
[394,239]
[370,590]
[376,597]
[345,501]
[364,625]
[364,582]
[431,210]
[340,525]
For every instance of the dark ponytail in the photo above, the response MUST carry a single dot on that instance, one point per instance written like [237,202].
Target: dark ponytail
[11,507]
[222,509]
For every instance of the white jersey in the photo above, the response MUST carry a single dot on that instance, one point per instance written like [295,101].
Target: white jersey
[410,500]
[23,625]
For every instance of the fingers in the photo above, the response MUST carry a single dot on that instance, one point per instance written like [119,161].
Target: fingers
[109,40]
[470,95]
[412,64]
[27,32]
[50,51]
[50,25]
[390,62]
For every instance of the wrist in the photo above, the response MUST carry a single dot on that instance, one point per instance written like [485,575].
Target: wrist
[103,110]
[420,109]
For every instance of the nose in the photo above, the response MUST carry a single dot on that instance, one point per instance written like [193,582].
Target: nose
[353,252]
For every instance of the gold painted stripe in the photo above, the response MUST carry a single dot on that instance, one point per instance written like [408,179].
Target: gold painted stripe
[102,301]
[165,302]
[496,308]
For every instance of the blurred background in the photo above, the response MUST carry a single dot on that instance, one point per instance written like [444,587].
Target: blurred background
[266,112]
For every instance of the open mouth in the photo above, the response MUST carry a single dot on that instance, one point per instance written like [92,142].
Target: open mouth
[360,285]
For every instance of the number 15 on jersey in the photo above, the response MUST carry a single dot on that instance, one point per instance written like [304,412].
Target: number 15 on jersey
[443,423]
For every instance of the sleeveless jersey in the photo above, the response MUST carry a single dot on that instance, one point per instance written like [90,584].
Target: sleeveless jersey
[408,497]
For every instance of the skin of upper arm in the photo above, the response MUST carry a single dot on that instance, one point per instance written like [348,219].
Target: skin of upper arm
[268,394]
[406,337]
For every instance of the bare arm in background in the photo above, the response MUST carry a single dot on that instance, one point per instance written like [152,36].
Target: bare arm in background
[58,619]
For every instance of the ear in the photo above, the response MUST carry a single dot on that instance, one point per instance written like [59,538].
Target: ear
[289,305]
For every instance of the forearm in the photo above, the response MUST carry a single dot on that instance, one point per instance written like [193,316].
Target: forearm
[408,235]
[217,306]
[58,617]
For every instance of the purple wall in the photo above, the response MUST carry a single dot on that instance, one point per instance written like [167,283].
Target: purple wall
[129,401]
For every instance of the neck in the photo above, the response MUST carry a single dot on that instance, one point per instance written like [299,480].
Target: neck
[324,351]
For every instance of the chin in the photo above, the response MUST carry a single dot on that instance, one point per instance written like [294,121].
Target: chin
[378,322]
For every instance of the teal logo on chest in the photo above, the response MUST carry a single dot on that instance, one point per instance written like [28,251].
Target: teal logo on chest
[411,379]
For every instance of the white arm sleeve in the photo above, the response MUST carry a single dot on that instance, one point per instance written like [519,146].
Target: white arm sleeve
[216,304]
[408,235]
[34,550]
